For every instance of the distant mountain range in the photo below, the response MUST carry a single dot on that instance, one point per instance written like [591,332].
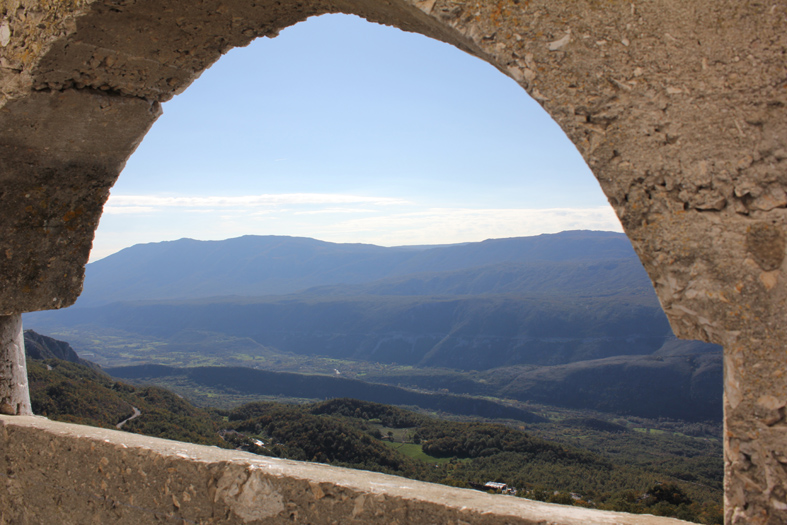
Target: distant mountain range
[273,265]
[549,317]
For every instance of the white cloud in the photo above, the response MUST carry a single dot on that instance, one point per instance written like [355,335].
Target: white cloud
[123,210]
[447,225]
[132,219]
[335,210]
[144,203]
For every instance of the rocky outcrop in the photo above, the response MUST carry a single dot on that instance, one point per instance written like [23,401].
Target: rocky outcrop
[39,346]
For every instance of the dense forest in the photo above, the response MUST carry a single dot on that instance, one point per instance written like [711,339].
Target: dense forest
[360,434]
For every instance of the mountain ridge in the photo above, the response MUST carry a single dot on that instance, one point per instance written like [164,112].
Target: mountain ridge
[277,265]
[579,302]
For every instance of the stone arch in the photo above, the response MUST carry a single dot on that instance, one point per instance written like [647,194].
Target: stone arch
[678,108]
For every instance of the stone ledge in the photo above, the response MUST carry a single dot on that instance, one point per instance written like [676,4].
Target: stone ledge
[63,473]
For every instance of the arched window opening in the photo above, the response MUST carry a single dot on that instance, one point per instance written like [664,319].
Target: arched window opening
[319,133]
[347,131]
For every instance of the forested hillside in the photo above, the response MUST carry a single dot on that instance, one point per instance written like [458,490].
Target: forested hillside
[379,437]
[78,394]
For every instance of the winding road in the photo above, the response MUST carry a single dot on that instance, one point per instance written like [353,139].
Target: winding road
[136,414]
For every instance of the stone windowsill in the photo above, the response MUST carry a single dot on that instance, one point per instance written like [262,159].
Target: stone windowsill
[64,473]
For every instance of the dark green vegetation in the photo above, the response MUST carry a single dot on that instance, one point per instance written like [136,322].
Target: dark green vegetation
[75,393]
[567,319]
[604,464]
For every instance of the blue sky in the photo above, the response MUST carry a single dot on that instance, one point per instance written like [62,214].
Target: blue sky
[348,131]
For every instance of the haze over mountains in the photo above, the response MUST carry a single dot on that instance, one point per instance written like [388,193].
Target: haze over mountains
[274,265]
[570,316]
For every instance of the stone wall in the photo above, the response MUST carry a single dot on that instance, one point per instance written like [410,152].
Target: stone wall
[70,474]
[679,108]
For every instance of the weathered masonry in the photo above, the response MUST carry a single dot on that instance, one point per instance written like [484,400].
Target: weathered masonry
[679,108]
[68,474]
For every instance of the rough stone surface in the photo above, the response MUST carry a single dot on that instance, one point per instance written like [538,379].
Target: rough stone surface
[14,393]
[70,474]
[60,152]
[679,108]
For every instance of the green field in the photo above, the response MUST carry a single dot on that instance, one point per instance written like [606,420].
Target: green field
[416,452]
